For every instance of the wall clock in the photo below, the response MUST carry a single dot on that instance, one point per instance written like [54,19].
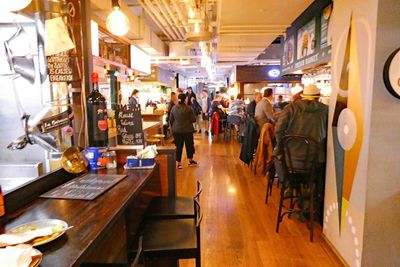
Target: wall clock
[391,73]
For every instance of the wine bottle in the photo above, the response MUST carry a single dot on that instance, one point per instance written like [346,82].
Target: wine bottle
[97,115]
[2,213]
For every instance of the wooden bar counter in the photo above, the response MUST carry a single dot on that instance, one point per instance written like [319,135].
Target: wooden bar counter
[102,227]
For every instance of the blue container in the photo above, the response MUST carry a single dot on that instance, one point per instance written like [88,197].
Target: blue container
[147,162]
[132,162]
[95,157]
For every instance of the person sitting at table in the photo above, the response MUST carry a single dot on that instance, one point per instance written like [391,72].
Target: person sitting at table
[236,111]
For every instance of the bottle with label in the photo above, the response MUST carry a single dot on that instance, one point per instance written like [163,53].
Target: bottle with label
[2,213]
[97,115]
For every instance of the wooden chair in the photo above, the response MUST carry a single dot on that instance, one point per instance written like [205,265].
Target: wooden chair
[299,179]
[173,239]
[173,207]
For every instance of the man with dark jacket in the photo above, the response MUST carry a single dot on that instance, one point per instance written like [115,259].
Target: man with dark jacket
[251,107]
[306,117]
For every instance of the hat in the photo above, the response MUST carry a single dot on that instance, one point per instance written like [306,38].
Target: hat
[311,91]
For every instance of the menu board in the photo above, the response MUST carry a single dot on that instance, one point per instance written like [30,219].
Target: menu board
[306,40]
[61,67]
[307,43]
[129,126]
[86,187]
[326,15]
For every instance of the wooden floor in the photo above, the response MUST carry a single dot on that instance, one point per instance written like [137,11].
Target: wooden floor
[238,229]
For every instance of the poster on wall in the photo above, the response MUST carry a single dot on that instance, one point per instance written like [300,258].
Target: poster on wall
[326,15]
[306,40]
[288,51]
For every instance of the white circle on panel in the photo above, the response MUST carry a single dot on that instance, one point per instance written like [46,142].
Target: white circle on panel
[394,73]
[347,129]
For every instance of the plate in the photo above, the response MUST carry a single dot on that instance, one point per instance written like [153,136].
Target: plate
[39,224]
[36,260]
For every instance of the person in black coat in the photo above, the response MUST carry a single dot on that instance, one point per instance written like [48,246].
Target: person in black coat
[181,120]
[251,107]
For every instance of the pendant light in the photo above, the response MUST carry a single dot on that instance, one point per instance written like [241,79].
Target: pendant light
[117,22]
[15,5]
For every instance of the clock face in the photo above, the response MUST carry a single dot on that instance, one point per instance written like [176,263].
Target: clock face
[391,73]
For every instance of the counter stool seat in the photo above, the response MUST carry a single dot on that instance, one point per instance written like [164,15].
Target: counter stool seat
[150,141]
[173,207]
[172,238]
[159,136]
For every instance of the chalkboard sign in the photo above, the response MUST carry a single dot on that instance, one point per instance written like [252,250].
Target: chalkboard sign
[129,126]
[61,67]
[86,187]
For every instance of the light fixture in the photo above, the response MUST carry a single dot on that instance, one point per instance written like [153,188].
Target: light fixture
[15,5]
[117,22]
[191,13]
[196,28]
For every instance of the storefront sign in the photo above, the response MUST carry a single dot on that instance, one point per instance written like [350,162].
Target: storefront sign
[274,73]
[307,43]
[56,122]
[129,127]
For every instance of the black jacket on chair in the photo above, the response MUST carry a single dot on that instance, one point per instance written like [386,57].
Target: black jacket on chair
[250,141]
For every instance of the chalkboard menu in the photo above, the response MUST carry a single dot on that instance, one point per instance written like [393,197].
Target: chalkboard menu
[61,67]
[86,187]
[129,126]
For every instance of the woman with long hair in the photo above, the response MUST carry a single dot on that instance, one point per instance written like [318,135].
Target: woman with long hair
[181,120]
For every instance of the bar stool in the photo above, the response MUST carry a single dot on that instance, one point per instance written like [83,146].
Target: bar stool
[173,207]
[298,178]
[152,141]
[173,238]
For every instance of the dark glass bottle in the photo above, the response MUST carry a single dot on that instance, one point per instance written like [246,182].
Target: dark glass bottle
[97,115]
[2,213]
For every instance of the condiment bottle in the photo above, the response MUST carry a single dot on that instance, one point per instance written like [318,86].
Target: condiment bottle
[97,115]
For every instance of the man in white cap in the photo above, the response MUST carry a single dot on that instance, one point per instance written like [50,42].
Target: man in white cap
[308,117]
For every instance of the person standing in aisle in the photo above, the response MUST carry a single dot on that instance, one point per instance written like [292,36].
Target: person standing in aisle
[264,112]
[182,119]
[134,100]
[205,109]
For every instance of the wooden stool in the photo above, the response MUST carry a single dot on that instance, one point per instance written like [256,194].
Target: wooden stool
[172,238]
[173,207]
[152,141]
[159,136]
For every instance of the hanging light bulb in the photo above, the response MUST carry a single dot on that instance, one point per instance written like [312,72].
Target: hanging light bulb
[196,28]
[15,5]
[191,13]
[117,22]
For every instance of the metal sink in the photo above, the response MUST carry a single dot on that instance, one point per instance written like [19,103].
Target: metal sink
[13,176]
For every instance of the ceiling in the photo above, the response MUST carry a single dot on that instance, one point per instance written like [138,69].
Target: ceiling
[242,30]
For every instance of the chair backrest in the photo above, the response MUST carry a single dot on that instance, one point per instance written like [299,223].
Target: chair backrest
[198,219]
[199,189]
[135,262]
[300,154]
